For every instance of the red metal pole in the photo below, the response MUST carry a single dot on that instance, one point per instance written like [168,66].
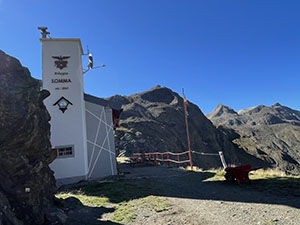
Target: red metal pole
[168,157]
[187,131]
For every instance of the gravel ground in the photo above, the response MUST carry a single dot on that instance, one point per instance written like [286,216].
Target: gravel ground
[194,200]
[190,211]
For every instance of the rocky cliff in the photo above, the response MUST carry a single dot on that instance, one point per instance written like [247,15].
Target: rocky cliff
[154,121]
[27,185]
[269,133]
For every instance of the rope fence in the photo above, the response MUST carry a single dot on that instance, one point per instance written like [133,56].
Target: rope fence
[171,157]
[168,157]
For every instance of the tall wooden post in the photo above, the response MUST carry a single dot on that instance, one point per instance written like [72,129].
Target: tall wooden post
[187,130]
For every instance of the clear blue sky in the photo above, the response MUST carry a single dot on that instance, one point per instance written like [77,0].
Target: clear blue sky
[239,53]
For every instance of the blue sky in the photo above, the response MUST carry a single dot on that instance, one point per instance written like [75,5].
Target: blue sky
[240,53]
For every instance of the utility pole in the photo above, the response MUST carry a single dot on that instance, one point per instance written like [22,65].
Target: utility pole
[187,129]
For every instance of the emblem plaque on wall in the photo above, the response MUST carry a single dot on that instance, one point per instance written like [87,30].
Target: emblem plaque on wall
[61,61]
[63,104]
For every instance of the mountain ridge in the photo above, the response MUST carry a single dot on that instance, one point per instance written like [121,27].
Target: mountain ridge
[271,133]
[153,121]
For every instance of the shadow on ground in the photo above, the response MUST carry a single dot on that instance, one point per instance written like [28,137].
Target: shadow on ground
[71,211]
[88,215]
[161,181]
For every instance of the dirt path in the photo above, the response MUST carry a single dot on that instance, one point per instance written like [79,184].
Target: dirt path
[194,200]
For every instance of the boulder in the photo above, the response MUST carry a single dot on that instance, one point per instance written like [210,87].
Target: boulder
[7,216]
[26,180]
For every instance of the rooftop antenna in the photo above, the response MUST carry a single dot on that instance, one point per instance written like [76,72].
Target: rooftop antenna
[91,61]
[44,31]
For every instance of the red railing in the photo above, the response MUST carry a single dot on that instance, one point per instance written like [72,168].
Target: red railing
[162,157]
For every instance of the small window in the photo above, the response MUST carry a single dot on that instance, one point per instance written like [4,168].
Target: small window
[65,152]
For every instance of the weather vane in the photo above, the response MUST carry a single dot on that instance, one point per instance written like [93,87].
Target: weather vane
[44,32]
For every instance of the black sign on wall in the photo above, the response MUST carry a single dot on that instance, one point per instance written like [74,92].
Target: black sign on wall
[61,61]
[63,104]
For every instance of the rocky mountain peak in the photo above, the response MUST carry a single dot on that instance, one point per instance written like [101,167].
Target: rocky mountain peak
[158,94]
[221,110]
[252,110]
[277,104]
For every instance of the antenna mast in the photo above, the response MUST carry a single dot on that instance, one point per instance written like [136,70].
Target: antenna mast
[91,62]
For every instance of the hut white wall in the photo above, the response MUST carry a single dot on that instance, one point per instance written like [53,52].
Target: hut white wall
[68,128]
[100,141]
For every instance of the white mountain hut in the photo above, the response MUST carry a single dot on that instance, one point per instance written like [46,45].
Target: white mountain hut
[82,126]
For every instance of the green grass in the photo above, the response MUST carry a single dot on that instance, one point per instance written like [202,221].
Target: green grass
[265,180]
[159,204]
[280,184]
[118,191]
[127,211]
[270,180]
[92,201]
[124,212]
[218,175]
[126,196]
[275,178]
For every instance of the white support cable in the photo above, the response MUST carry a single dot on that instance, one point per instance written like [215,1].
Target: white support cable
[95,140]
[108,142]
[100,118]
[204,153]
[94,165]
[101,148]
[220,154]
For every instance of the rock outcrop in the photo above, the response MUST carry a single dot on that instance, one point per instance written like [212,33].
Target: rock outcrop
[269,133]
[154,121]
[27,184]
